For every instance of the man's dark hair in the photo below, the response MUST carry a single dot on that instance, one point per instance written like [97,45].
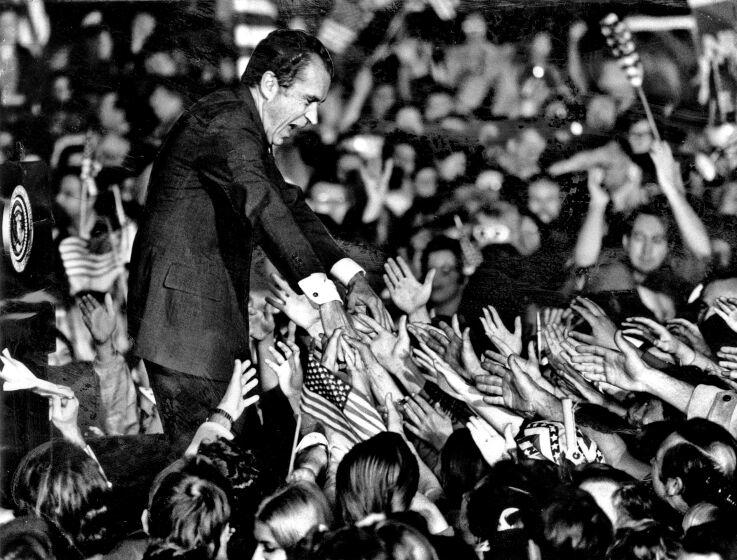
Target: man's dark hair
[660,209]
[286,53]
[379,475]
[575,528]
[442,243]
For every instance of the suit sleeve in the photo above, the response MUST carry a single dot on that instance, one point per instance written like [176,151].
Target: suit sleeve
[327,249]
[232,157]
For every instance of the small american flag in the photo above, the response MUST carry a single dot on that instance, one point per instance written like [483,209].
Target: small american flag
[87,270]
[333,401]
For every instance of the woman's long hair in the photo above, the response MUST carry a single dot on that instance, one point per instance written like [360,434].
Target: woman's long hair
[379,475]
[60,483]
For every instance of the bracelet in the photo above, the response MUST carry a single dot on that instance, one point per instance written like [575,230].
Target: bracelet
[222,413]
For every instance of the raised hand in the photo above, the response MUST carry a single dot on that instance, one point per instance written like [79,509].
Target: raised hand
[728,361]
[407,293]
[622,368]
[598,195]
[665,165]
[427,423]
[236,398]
[469,360]
[453,351]
[261,322]
[602,327]
[99,320]
[287,367]
[491,444]
[392,351]
[490,383]
[519,391]
[496,331]
[690,333]
[331,346]
[658,335]
[361,297]
[726,308]
[445,376]
[295,306]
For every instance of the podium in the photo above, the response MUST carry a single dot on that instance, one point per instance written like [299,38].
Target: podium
[27,322]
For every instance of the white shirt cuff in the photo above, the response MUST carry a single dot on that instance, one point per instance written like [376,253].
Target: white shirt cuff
[319,289]
[345,269]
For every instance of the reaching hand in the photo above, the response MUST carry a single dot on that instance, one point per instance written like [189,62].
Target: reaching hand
[287,367]
[469,360]
[519,391]
[15,374]
[558,317]
[577,30]
[496,331]
[377,186]
[361,297]
[295,306]
[690,333]
[623,369]
[390,351]
[728,355]
[261,322]
[331,346]
[453,352]
[726,308]
[602,327]
[447,379]
[655,333]
[406,292]
[63,413]
[665,165]
[491,444]
[427,423]
[236,398]
[99,320]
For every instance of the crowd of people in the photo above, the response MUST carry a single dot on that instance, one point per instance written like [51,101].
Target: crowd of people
[558,376]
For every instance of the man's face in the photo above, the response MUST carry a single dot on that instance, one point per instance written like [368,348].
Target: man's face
[448,279]
[640,137]
[647,244]
[544,200]
[287,109]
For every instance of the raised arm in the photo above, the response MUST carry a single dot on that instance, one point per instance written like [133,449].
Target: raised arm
[588,244]
[692,230]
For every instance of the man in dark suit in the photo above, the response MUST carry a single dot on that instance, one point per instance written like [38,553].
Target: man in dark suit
[214,191]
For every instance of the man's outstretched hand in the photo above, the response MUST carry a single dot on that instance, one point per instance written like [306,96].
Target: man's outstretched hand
[362,297]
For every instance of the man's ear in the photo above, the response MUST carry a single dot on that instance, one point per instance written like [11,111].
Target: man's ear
[269,85]
[625,241]
[673,487]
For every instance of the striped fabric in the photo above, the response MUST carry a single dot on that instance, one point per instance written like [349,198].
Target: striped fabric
[332,401]
[88,271]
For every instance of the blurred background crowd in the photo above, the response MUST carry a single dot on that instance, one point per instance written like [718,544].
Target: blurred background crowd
[502,156]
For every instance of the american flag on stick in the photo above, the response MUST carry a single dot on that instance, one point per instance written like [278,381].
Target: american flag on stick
[332,401]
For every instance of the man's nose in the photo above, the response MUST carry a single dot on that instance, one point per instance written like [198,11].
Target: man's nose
[311,114]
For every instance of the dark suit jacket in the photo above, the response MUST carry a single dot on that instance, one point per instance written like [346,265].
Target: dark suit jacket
[214,191]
